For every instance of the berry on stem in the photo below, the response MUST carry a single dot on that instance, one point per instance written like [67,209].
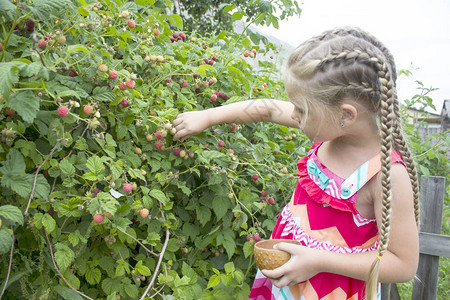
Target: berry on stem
[113,74]
[127,188]
[63,111]
[255,177]
[42,44]
[88,109]
[131,23]
[98,218]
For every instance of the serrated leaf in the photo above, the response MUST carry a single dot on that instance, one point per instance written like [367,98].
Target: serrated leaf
[48,222]
[66,293]
[220,206]
[143,270]
[131,290]
[203,214]
[111,285]
[95,164]
[93,276]
[159,195]
[229,267]
[207,156]
[103,94]
[63,256]
[176,20]
[248,249]
[213,281]
[67,167]
[9,75]
[11,213]
[25,103]
[14,164]
[5,240]
[42,9]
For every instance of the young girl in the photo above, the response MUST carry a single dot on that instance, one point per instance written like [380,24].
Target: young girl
[355,207]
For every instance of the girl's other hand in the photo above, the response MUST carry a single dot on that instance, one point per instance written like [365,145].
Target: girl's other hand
[300,267]
[190,123]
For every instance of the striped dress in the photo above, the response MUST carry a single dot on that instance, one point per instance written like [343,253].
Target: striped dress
[322,215]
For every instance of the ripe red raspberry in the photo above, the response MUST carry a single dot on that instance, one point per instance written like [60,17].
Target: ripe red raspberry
[156,32]
[184,84]
[96,191]
[213,98]
[255,177]
[127,188]
[246,54]
[158,135]
[221,143]
[130,83]
[157,145]
[113,75]
[211,62]
[231,151]
[88,109]
[263,194]
[233,127]
[131,23]
[124,102]
[249,237]
[42,44]
[63,111]
[176,151]
[271,200]
[98,218]
[72,73]
[122,86]
[254,51]
[256,237]
[182,36]
[9,112]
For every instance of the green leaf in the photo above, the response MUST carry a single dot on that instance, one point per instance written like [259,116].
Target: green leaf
[131,290]
[5,240]
[176,20]
[42,9]
[248,249]
[66,293]
[67,167]
[207,156]
[48,222]
[95,164]
[14,164]
[213,281]
[145,3]
[203,214]
[26,104]
[220,206]
[93,276]
[9,73]
[143,270]
[64,256]
[11,213]
[159,195]
[103,94]
[111,285]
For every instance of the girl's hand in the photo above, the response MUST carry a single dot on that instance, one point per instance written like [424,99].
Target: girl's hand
[302,266]
[190,123]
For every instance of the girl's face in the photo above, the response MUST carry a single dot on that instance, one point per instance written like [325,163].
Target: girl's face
[317,123]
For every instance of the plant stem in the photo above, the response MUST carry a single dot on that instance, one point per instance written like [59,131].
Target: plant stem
[57,270]
[161,255]
[35,178]
[142,245]
[9,264]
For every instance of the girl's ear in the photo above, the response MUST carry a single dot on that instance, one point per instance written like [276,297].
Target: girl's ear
[349,114]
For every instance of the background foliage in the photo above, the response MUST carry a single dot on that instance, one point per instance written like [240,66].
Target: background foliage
[76,137]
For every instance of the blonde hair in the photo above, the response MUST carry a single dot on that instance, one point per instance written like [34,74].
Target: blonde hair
[348,62]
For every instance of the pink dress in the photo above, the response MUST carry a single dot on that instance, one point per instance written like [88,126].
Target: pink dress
[322,215]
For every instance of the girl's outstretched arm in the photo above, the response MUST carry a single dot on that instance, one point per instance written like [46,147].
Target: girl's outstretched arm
[398,264]
[267,110]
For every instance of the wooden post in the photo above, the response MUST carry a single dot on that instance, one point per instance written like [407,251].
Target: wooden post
[432,191]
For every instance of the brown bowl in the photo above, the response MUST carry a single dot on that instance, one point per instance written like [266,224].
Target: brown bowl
[268,258]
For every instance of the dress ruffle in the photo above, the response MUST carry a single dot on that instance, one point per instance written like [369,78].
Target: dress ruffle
[315,192]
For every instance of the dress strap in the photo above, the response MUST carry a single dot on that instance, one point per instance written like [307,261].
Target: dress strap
[360,177]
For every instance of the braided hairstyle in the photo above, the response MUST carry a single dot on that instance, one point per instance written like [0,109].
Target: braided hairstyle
[350,62]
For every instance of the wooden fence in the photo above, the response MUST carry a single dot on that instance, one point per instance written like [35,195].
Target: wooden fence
[432,243]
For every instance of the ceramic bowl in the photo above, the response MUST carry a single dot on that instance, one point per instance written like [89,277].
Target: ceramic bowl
[268,258]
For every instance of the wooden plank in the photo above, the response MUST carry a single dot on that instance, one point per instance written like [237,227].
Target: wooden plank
[389,291]
[434,244]
[432,191]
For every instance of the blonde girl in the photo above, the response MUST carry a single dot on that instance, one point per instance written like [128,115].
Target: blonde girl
[355,208]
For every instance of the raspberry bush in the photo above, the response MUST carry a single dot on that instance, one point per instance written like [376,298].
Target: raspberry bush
[98,201]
